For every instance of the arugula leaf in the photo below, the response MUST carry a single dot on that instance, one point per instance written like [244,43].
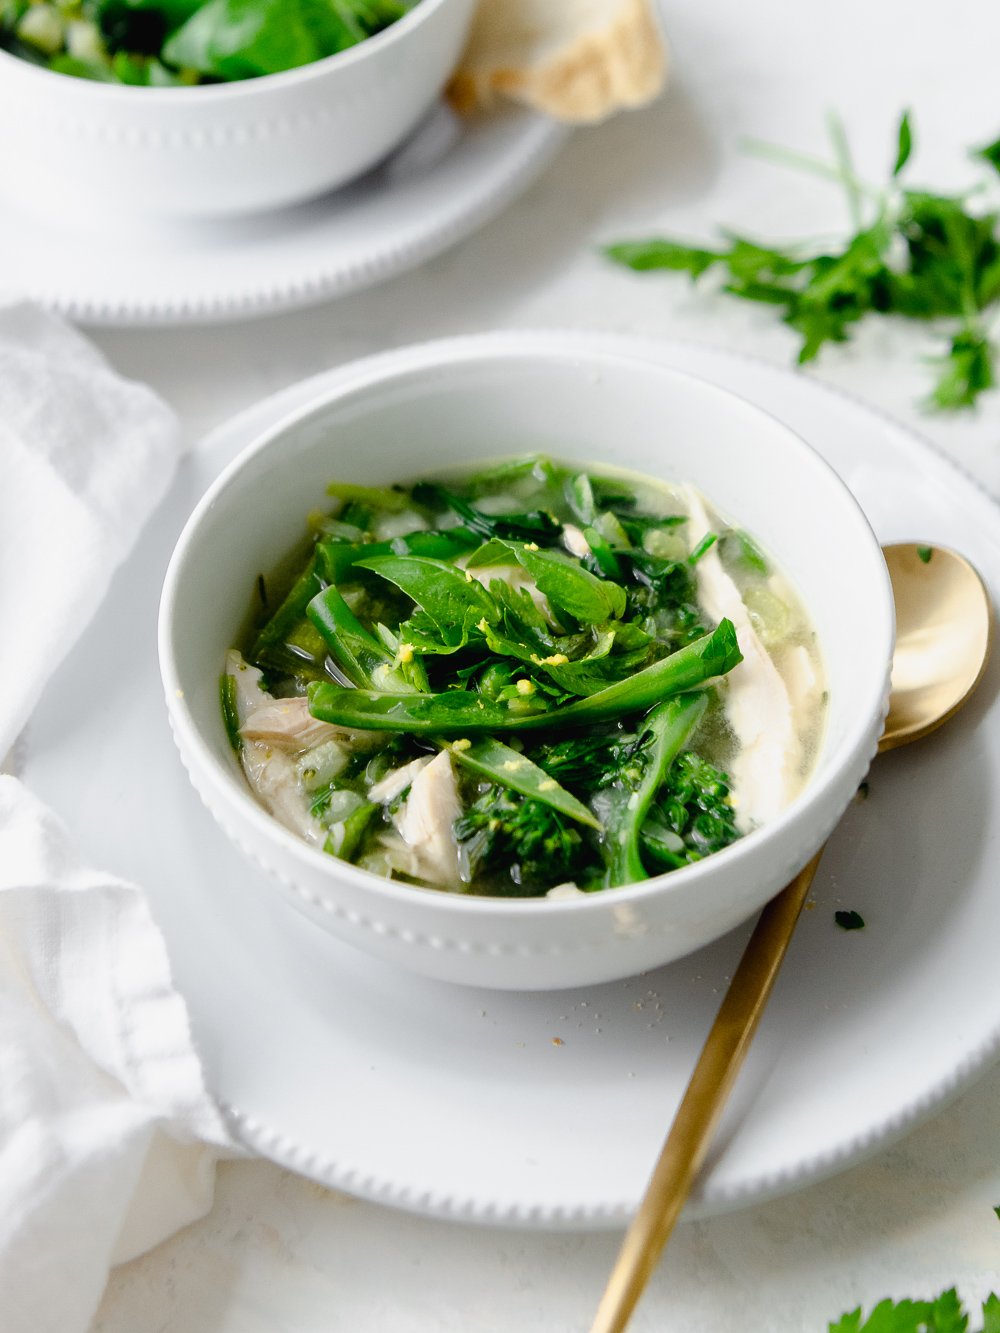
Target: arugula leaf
[567,585]
[530,526]
[450,601]
[242,39]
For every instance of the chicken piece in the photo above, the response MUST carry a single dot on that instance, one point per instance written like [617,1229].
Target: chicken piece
[274,778]
[565,892]
[248,695]
[427,819]
[397,780]
[289,724]
[574,541]
[766,767]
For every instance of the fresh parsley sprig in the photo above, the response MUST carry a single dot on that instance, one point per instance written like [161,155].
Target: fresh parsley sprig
[946,1314]
[916,254]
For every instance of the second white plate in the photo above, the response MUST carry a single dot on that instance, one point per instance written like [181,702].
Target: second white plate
[431,194]
[548,1109]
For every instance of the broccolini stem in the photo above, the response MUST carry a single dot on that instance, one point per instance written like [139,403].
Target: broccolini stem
[670,725]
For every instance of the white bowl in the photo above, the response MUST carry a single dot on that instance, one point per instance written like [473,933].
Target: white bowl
[92,149]
[454,402]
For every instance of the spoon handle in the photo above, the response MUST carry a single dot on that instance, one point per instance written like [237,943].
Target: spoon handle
[691,1133]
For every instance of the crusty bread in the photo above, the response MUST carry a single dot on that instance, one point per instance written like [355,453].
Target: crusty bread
[577,60]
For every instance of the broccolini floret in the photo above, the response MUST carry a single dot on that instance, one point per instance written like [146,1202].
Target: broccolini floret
[692,815]
[522,845]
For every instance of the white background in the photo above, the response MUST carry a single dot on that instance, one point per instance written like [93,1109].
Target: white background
[280,1255]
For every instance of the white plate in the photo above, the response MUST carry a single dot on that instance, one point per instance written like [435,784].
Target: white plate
[431,194]
[547,1109]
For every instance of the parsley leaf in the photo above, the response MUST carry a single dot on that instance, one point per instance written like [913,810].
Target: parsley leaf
[944,1315]
[966,370]
[918,255]
[989,153]
[905,144]
[849,920]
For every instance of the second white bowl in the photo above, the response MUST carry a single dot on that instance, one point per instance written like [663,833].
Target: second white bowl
[72,146]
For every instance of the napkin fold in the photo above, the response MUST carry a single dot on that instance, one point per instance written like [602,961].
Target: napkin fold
[108,1137]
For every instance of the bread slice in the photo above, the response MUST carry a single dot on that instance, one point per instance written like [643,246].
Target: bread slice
[576,60]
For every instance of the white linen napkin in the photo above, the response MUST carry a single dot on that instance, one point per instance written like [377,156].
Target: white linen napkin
[108,1137]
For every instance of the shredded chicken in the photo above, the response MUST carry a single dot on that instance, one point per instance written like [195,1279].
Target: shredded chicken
[574,541]
[426,822]
[272,775]
[387,788]
[275,779]
[249,694]
[757,704]
[289,724]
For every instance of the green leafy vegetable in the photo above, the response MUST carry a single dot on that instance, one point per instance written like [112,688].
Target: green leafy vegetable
[361,657]
[918,255]
[989,153]
[692,817]
[530,526]
[946,1314]
[521,844]
[450,601]
[395,500]
[667,728]
[849,920]
[172,43]
[568,586]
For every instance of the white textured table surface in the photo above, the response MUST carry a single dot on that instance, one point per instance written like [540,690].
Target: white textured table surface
[280,1255]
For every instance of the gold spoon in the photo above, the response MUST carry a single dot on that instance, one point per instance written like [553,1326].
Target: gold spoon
[943,627]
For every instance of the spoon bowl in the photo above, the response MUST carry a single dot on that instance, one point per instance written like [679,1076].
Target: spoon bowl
[943,633]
